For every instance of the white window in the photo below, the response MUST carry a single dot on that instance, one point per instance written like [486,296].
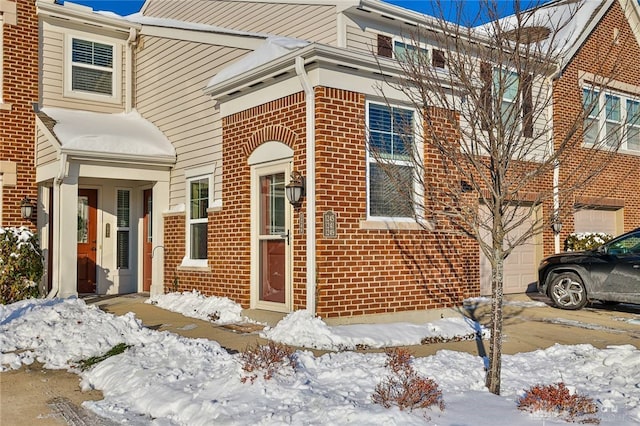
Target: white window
[91,69]
[611,119]
[123,218]
[391,171]
[199,195]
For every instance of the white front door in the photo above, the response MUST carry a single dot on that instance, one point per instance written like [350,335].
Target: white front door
[271,237]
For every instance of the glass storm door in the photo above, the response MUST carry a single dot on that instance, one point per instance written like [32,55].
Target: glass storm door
[273,238]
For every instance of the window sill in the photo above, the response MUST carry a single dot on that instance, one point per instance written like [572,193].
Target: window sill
[194,265]
[390,224]
[5,107]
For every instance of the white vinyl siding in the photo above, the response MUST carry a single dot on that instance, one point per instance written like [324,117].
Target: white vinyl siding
[289,20]
[171,97]
[56,72]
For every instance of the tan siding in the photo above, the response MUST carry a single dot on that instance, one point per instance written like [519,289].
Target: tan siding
[172,77]
[53,76]
[291,20]
[45,152]
[358,39]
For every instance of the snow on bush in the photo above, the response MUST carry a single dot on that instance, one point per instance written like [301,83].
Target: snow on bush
[21,265]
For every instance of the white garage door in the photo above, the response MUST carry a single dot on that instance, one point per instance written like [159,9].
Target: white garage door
[595,220]
[520,268]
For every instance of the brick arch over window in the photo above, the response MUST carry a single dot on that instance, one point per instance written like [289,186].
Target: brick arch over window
[271,133]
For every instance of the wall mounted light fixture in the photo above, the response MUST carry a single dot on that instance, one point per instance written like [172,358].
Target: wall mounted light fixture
[556,225]
[26,208]
[295,189]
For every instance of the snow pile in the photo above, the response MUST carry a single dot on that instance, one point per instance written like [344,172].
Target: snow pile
[165,379]
[219,310]
[300,328]
[122,133]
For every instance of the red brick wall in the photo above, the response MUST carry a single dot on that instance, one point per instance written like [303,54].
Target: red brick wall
[362,271]
[20,89]
[619,183]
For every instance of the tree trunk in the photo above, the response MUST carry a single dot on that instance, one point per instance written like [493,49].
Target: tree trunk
[495,342]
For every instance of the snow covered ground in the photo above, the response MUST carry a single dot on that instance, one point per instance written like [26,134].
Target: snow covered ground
[166,379]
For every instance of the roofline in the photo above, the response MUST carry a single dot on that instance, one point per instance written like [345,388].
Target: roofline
[586,32]
[313,53]
[155,160]
[84,14]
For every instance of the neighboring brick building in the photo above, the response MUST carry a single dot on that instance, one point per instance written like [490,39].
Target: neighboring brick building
[18,92]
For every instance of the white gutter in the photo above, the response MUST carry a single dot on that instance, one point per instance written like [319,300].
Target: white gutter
[310,190]
[556,162]
[55,281]
[131,44]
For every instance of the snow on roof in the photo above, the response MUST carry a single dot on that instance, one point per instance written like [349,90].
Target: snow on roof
[123,133]
[565,19]
[272,48]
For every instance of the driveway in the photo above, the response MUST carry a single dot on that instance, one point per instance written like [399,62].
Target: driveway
[37,396]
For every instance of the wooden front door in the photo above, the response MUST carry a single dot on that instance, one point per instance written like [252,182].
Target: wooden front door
[147,245]
[87,239]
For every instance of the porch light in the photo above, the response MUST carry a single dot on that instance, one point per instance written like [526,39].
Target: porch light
[556,225]
[26,208]
[295,189]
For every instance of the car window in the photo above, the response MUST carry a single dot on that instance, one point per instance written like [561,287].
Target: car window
[627,245]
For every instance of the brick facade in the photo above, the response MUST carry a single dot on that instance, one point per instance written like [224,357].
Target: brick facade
[362,271]
[17,122]
[618,186]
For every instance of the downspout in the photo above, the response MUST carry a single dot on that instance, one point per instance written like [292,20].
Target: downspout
[556,164]
[55,287]
[131,43]
[310,190]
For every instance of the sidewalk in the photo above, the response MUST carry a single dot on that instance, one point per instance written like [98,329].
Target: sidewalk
[525,328]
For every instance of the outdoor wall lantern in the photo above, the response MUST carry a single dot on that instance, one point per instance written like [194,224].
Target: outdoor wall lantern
[26,208]
[295,189]
[556,225]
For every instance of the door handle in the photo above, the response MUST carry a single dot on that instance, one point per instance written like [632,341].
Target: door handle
[285,236]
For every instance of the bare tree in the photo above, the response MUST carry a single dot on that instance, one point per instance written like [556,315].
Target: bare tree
[490,149]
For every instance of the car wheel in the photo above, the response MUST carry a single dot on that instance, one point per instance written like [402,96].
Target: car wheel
[567,291]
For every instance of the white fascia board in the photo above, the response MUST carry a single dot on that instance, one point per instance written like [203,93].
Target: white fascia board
[398,13]
[286,64]
[47,171]
[362,67]
[260,96]
[107,157]
[80,15]
[101,171]
[251,42]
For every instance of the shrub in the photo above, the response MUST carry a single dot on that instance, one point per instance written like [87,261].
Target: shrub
[269,359]
[85,364]
[558,400]
[21,265]
[585,241]
[404,388]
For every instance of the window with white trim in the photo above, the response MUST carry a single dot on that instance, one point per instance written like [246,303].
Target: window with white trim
[92,68]
[197,218]
[391,133]
[611,119]
[123,220]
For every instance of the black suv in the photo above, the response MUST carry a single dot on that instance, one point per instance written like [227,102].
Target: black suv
[609,273]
